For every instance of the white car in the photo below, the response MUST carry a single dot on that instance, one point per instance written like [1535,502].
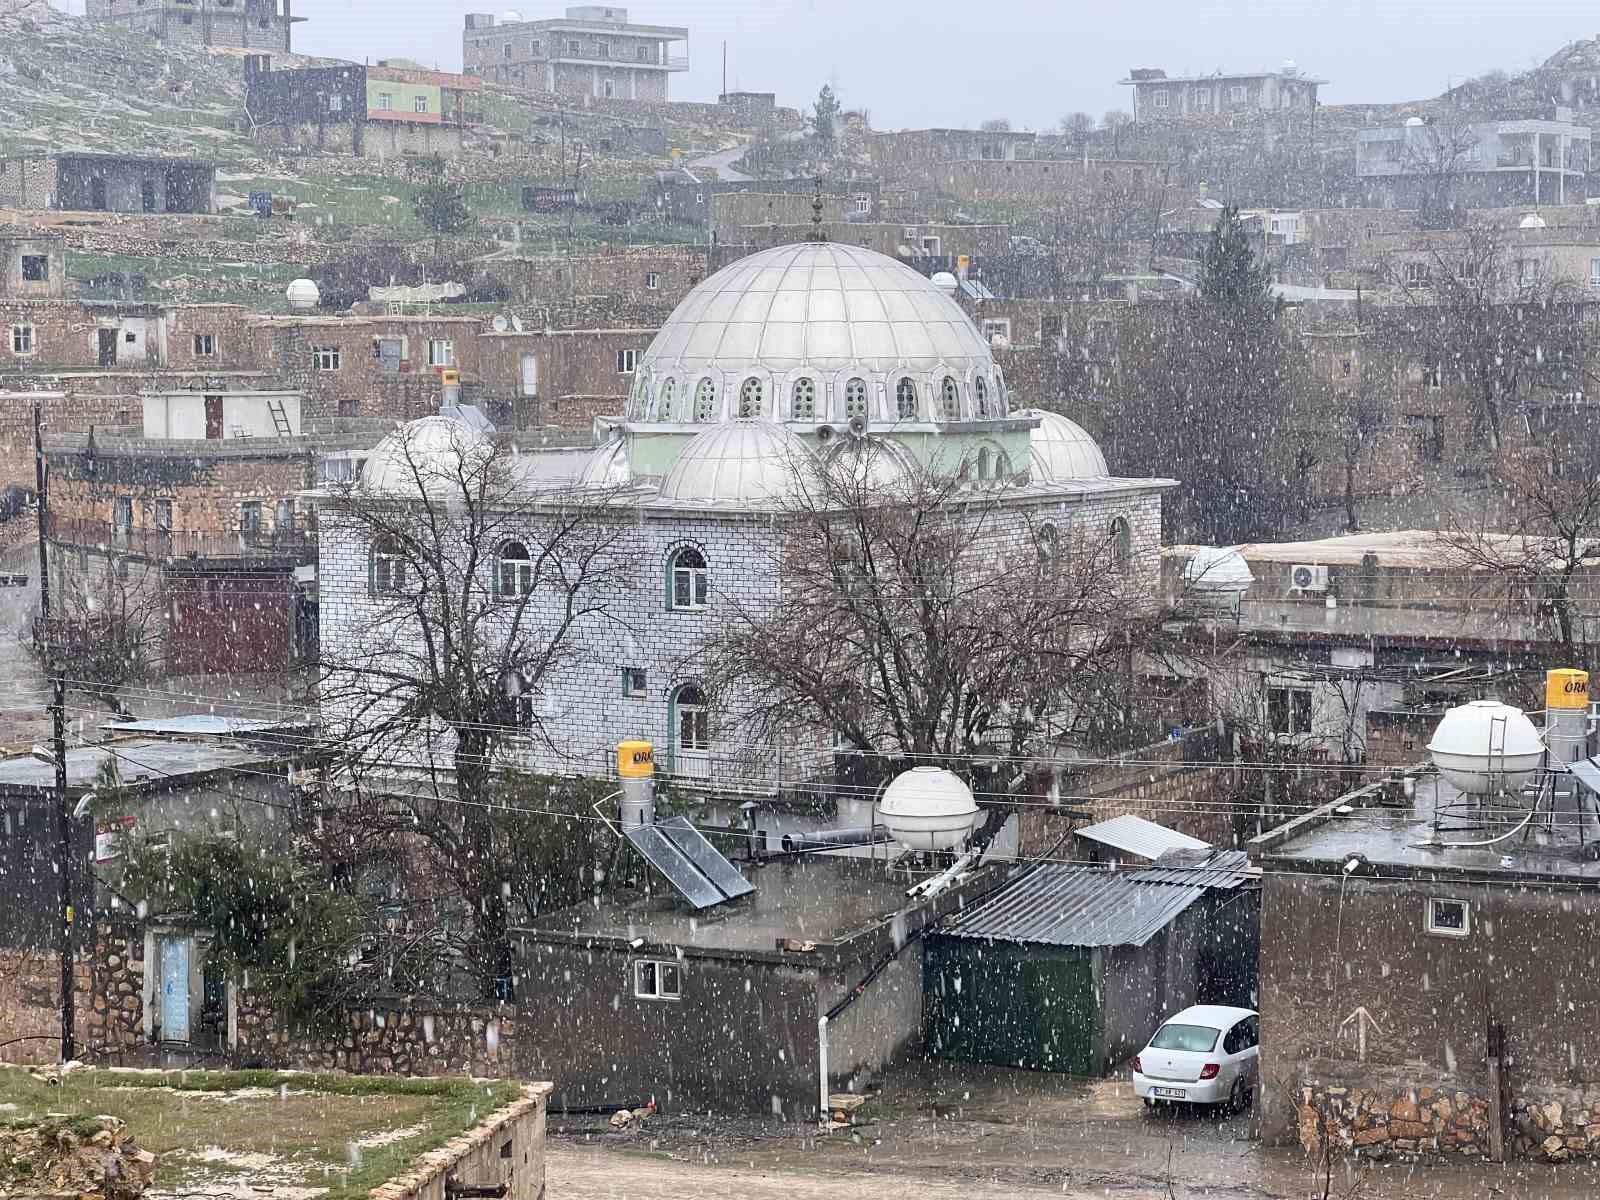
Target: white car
[1208,1054]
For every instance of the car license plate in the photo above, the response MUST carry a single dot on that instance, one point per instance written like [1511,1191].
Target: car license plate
[1169,1093]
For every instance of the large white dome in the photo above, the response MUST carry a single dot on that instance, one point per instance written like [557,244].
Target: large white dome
[739,462]
[423,455]
[1063,451]
[818,333]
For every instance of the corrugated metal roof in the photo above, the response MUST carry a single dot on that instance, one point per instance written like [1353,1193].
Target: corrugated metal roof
[1135,835]
[1058,905]
[1196,868]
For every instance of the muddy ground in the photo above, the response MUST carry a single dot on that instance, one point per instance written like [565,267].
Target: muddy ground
[956,1130]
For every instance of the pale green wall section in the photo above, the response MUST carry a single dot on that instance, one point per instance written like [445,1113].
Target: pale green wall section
[403,96]
[654,453]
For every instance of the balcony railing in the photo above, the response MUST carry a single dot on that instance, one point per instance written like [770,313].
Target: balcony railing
[159,544]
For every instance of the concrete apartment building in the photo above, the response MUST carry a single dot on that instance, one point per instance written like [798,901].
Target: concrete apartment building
[1482,165]
[251,24]
[1158,96]
[594,51]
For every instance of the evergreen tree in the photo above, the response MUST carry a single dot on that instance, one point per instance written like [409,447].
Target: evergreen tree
[825,118]
[1229,273]
[441,204]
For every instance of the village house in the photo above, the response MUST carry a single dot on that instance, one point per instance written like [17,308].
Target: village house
[682,197]
[594,51]
[1158,96]
[32,267]
[559,380]
[83,182]
[250,24]
[1479,165]
[649,279]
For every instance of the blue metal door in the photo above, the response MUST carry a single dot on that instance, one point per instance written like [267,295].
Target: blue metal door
[175,989]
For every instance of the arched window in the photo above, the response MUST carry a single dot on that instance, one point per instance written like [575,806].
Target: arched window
[705,400]
[1121,536]
[691,731]
[1002,466]
[983,463]
[980,394]
[664,411]
[803,400]
[950,399]
[1002,393]
[514,571]
[855,398]
[750,398]
[388,567]
[1048,540]
[905,399]
[688,580]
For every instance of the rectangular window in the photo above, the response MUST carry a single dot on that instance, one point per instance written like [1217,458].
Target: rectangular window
[385,101]
[441,352]
[327,358]
[1416,274]
[633,681]
[335,102]
[1469,270]
[574,48]
[506,50]
[122,514]
[250,516]
[994,327]
[205,345]
[1432,376]
[164,515]
[1289,710]
[652,281]
[1449,918]
[1236,93]
[1160,98]
[647,54]
[22,339]
[535,48]
[654,979]
[35,268]
[1202,99]
[1528,272]
[627,360]
[422,104]
[1429,439]
[863,205]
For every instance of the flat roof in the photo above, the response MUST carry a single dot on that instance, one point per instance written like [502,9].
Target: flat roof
[139,761]
[1221,76]
[824,900]
[1416,548]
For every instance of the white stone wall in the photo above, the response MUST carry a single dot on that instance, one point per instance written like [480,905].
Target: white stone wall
[583,707]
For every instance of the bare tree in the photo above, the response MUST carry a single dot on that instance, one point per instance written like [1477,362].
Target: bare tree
[1435,154]
[924,621]
[480,590]
[113,630]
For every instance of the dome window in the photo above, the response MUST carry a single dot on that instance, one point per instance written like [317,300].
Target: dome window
[803,400]
[905,399]
[750,398]
[950,399]
[689,580]
[664,412]
[983,463]
[513,571]
[1002,394]
[980,394]
[705,401]
[855,398]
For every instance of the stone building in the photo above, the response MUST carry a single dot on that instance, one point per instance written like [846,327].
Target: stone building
[32,267]
[593,51]
[559,380]
[250,24]
[683,197]
[1158,96]
[81,182]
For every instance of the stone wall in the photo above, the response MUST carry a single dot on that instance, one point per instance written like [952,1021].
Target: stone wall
[396,1036]
[506,1148]
[30,1000]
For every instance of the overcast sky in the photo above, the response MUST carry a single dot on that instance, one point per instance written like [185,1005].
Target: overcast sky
[918,63]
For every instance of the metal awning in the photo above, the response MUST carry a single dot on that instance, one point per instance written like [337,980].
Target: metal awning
[1057,905]
[1135,835]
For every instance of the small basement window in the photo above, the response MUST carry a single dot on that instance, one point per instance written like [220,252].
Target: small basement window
[1449,918]
[654,979]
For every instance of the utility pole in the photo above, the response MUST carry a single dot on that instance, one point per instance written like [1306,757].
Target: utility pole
[58,744]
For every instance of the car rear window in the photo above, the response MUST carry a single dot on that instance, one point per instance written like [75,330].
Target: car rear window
[1196,1038]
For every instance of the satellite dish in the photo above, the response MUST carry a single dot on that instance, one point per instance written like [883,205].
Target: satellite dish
[501,324]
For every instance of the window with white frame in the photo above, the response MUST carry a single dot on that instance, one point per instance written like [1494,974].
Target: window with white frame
[388,568]
[634,682]
[205,345]
[1449,918]
[1202,99]
[335,102]
[994,327]
[514,571]
[1160,98]
[855,398]
[863,205]
[327,358]
[657,979]
[1236,93]
[385,101]
[652,281]
[627,360]
[1416,274]
[22,340]
[1528,272]
[1289,710]
[705,400]
[522,699]
[688,580]
[950,399]
[1594,272]
[751,398]
[422,104]
[441,352]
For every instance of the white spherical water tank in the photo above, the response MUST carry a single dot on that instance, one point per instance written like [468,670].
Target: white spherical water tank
[303,294]
[1486,746]
[1218,569]
[945,282]
[928,808]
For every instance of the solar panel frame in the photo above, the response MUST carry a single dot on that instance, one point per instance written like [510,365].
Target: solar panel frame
[706,858]
[679,871]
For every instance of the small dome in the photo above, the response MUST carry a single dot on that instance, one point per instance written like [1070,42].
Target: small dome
[303,294]
[1486,746]
[877,463]
[741,462]
[1415,122]
[607,467]
[1532,221]
[1063,451]
[928,808]
[422,455]
[1218,569]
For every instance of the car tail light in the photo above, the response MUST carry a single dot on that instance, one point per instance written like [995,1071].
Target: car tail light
[1137,1065]
[1209,1071]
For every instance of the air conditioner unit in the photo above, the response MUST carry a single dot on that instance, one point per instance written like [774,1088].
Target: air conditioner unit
[1307,577]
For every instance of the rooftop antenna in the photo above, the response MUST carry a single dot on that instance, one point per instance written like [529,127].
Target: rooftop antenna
[816,234]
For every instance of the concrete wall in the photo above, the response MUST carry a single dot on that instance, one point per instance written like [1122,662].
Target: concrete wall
[505,1148]
[182,415]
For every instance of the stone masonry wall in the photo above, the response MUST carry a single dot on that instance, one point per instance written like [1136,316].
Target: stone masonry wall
[392,1037]
[507,1148]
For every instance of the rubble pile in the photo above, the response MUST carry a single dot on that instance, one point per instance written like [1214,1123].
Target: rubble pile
[90,1157]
